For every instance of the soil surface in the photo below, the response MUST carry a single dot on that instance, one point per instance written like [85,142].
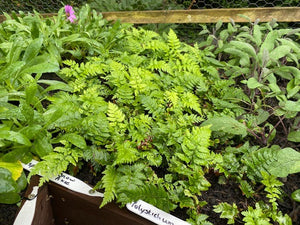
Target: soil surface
[217,193]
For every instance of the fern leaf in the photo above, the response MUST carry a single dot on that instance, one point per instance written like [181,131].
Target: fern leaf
[126,153]
[109,181]
[115,115]
[173,44]
[153,194]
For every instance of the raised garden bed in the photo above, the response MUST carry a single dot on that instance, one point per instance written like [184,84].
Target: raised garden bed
[182,127]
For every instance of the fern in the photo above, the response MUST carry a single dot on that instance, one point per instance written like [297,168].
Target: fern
[173,44]
[56,162]
[126,153]
[115,115]
[153,194]
[109,183]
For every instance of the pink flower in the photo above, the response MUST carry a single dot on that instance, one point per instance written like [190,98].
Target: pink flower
[70,13]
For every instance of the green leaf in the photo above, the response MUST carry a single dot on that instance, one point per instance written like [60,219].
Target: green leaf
[109,181]
[15,137]
[257,34]
[279,52]
[11,70]
[41,145]
[32,49]
[269,41]
[8,188]
[42,64]
[291,106]
[14,167]
[244,57]
[245,47]
[252,83]
[288,162]
[296,195]
[294,136]
[226,124]
[55,85]
[75,139]
[227,211]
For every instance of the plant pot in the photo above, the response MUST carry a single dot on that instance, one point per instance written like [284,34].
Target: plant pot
[60,206]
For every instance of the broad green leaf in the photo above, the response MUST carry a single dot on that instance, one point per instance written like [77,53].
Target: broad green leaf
[47,66]
[226,124]
[14,167]
[11,70]
[292,106]
[269,41]
[296,195]
[279,52]
[75,139]
[8,188]
[294,136]
[287,72]
[16,154]
[15,137]
[244,57]
[257,34]
[245,47]
[252,83]
[32,49]
[41,145]
[30,92]
[22,181]
[55,85]
[288,162]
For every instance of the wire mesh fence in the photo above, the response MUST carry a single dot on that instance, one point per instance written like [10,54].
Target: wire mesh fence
[50,6]
[210,4]
[42,6]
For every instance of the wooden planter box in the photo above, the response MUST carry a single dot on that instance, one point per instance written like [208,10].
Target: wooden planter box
[57,205]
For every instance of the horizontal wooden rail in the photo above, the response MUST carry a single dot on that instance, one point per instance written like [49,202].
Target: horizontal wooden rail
[281,14]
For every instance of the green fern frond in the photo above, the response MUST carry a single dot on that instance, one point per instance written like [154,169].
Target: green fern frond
[109,183]
[126,153]
[153,194]
[115,115]
[152,105]
[173,44]
[191,101]
[55,163]
[258,161]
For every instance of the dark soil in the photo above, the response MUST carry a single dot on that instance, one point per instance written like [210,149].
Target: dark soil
[217,193]
[7,214]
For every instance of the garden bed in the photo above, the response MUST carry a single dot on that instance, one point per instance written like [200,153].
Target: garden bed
[209,132]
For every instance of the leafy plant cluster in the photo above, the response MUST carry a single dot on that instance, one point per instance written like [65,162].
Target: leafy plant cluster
[151,114]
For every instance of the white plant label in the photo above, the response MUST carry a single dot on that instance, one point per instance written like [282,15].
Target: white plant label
[69,182]
[26,214]
[154,214]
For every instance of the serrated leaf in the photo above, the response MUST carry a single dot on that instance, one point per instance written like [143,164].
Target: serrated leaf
[109,181]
